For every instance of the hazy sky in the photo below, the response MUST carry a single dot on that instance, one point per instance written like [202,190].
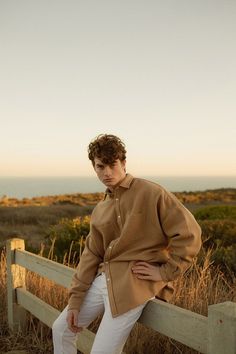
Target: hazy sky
[159,74]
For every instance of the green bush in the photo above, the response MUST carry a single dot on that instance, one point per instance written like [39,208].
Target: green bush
[67,238]
[226,257]
[218,224]
[216,213]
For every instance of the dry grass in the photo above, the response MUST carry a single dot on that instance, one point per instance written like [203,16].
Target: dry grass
[202,285]
[38,336]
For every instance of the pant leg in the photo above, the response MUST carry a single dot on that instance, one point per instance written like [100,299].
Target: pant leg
[113,332]
[64,341]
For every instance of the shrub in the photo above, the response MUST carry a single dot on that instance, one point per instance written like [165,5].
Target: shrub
[218,225]
[216,213]
[67,239]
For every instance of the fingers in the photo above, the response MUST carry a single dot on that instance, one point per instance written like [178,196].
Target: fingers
[147,271]
[141,270]
[146,277]
[142,267]
[75,315]
[72,321]
[142,263]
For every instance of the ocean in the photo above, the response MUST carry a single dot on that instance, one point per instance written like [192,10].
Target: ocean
[27,187]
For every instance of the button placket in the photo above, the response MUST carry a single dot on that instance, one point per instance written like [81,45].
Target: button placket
[108,254]
[107,271]
[117,207]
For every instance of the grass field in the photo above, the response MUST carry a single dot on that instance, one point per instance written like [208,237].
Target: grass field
[204,284]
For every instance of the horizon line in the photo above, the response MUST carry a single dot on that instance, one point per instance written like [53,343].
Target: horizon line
[88,176]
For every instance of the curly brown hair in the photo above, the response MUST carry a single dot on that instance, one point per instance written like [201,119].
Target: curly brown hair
[107,148]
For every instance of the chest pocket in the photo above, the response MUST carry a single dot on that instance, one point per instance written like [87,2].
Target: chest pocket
[108,231]
[135,225]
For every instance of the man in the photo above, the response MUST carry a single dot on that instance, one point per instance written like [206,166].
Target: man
[141,238]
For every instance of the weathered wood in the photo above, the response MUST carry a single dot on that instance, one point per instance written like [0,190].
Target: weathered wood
[182,325]
[222,328]
[48,314]
[57,272]
[15,278]
[85,341]
[40,309]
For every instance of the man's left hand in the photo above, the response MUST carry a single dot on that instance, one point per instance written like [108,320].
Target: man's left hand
[145,270]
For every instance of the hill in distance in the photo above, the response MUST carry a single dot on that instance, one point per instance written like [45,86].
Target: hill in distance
[210,196]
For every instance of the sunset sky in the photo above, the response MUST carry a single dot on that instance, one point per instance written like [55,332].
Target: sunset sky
[159,74]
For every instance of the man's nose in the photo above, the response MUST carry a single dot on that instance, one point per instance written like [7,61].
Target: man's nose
[107,171]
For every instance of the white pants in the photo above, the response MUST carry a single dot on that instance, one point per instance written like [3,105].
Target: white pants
[112,332]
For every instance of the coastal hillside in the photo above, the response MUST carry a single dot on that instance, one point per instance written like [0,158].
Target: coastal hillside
[209,196]
[80,199]
[33,218]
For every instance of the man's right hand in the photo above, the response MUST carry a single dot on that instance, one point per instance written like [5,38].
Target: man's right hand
[72,320]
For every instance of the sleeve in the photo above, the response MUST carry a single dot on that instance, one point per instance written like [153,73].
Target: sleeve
[183,235]
[86,270]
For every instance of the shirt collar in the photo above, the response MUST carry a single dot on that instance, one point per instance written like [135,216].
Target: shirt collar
[125,183]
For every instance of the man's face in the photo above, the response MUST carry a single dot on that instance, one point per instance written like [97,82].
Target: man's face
[110,175]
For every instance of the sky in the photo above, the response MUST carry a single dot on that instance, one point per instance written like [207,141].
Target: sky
[161,75]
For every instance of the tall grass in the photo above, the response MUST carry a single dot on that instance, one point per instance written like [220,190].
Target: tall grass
[199,287]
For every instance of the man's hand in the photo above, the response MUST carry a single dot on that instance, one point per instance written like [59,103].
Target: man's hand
[146,271]
[72,320]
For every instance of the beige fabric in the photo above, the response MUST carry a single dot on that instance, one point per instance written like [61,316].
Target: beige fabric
[141,221]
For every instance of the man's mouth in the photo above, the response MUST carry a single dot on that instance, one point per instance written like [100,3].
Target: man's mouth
[108,179]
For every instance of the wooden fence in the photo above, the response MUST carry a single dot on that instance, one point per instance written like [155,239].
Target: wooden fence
[215,334]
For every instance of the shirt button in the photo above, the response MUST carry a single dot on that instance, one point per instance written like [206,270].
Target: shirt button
[117,199]
[110,247]
[118,216]
[106,262]
[108,279]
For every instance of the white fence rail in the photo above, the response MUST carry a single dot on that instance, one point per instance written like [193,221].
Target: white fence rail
[215,334]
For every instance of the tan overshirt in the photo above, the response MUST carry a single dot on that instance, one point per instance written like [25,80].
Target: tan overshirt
[140,221]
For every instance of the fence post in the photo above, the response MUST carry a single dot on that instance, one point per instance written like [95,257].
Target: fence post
[15,279]
[222,328]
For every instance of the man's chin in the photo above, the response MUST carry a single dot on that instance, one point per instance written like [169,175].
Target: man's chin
[110,184]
